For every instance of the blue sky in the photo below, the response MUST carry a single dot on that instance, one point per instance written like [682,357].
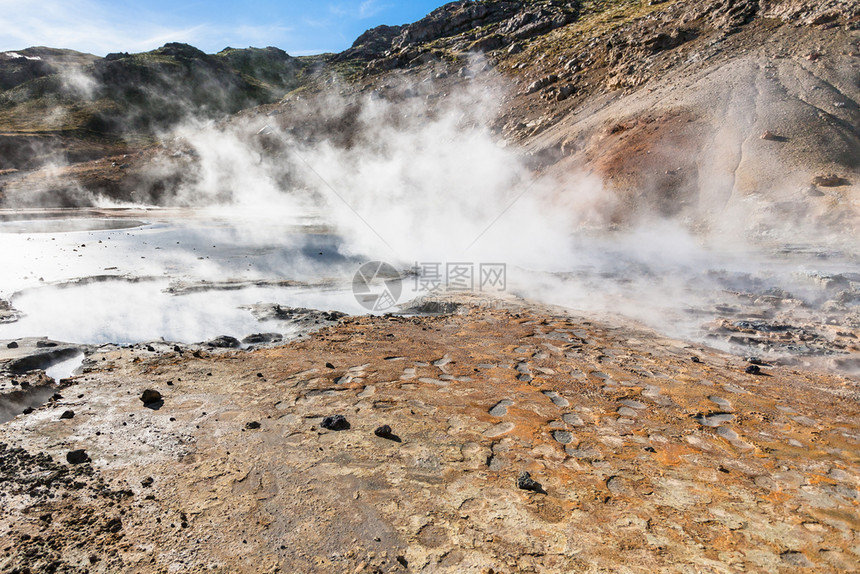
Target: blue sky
[100,26]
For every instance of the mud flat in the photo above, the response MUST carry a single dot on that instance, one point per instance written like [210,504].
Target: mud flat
[527,440]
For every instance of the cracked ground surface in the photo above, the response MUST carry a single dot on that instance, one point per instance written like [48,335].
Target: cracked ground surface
[651,454]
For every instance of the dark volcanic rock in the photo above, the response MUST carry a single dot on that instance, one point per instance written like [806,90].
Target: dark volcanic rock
[12,345]
[526,482]
[77,456]
[224,342]
[335,422]
[298,315]
[252,425]
[150,396]
[68,415]
[259,338]
[423,307]
[382,431]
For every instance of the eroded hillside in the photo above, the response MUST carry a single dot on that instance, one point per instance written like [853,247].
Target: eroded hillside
[728,115]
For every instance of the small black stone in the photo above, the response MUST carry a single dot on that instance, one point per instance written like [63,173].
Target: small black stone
[753,370]
[28,410]
[384,431]
[150,348]
[252,425]
[335,422]
[68,415]
[696,359]
[77,456]
[329,366]
[177,348]
[525,482]
[147,482]
[150,396]
[12,345]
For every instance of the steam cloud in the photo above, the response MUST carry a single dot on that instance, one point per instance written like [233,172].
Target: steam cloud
[409,176]
[413,182]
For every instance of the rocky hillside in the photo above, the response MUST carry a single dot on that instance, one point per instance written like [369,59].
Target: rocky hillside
[132,93]
[22,66]
[81,106]
[723,114]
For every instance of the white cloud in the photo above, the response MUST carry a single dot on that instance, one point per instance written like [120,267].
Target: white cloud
[83,26]
[364,10]
[97,27]
[371,8]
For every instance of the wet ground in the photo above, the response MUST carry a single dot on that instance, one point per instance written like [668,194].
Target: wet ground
[126,275]
[790,305]
[133,275]
[645,454]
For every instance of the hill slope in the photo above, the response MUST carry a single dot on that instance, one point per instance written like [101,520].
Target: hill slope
[724,114]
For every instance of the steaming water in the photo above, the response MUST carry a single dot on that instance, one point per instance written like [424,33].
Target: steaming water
[12,406]
[66,368]
[189,276]
[124,313]
[87,280]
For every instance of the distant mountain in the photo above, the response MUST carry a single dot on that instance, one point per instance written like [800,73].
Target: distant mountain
[22,66]
[61,91]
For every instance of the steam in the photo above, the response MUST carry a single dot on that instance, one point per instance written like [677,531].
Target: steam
[78,83]
[412,173]
[412,182]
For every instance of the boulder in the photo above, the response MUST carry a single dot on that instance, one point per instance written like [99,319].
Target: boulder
[78,456]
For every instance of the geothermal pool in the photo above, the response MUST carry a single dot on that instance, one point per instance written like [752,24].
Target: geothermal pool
[125,276]
[128,276]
